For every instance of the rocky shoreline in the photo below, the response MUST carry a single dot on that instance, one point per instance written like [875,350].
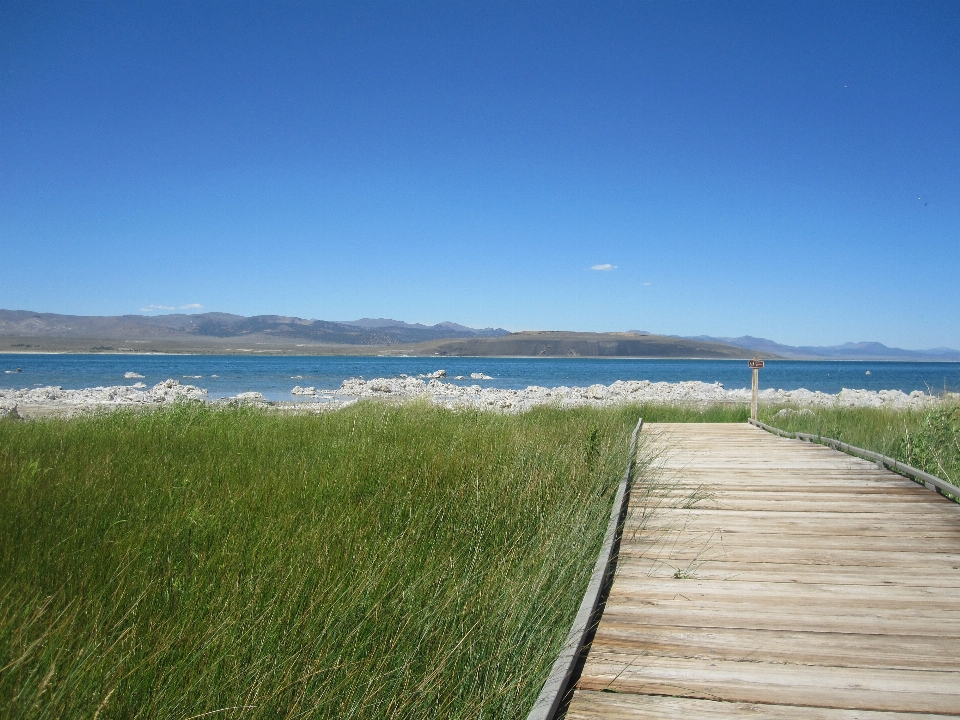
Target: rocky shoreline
[621,392]
[55,400]
[432,388]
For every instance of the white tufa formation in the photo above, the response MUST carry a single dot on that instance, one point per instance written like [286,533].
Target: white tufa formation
[115,396]
[621,392]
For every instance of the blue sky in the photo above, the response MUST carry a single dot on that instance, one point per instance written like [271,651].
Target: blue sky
[786,170]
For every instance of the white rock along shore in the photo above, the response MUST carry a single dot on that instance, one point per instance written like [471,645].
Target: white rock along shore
[693,393]
[621,392]
[62,401]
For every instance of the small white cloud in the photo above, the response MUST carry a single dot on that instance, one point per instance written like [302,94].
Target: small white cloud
[646,283]
[605,267]
[192,306]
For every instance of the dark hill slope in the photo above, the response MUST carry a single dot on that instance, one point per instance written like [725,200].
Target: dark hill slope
[574,344]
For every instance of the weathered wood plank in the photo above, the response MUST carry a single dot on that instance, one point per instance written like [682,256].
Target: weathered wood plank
[782,502]
[921,691]
[756,546]
[761,616]
[592,704]
[625,642]
[905,574]
[786,595]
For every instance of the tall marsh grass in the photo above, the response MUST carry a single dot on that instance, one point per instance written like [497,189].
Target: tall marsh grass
[388,562]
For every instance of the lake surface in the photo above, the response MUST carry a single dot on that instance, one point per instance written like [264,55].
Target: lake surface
[275,377]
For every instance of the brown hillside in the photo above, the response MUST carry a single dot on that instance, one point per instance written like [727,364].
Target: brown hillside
[574,344]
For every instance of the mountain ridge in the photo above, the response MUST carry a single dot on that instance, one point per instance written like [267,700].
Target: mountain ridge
[844,351]
[217,333]
[282,333]
[367,331]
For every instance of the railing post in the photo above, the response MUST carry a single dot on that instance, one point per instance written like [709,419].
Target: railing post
[755,366]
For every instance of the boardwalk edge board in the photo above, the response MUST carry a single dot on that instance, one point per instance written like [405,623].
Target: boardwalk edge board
[932,482]
[556,685]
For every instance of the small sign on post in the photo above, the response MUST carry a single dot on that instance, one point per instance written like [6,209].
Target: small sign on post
[755,366]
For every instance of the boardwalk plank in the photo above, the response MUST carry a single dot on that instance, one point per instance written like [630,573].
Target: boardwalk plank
[624,642]
[921,691]
[591,704]
[843,571]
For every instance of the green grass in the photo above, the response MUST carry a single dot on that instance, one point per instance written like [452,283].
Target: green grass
[689,413]
[927,439]
[406,562]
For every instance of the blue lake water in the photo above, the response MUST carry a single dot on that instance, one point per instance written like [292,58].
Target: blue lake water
[275,377]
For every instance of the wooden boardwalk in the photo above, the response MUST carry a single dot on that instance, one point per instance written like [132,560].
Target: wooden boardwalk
[777,579]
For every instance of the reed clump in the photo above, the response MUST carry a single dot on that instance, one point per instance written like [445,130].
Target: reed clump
[381,561]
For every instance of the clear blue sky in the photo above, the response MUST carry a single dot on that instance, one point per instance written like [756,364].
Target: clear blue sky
[787,170]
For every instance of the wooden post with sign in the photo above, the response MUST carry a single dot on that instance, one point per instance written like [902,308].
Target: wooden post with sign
[755,366]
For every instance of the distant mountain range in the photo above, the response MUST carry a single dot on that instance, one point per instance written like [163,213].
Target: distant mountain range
[23,330]
[442,330]
[270,328]
[223,333]
[846,351]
